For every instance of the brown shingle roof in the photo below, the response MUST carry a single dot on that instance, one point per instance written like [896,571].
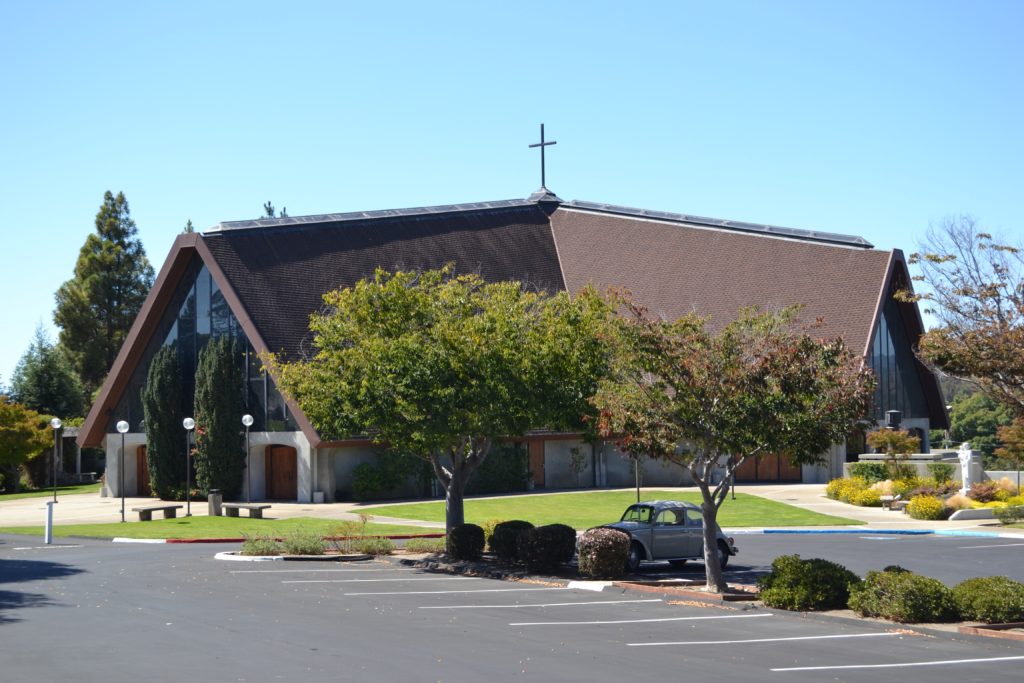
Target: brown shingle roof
[280,271]
[676,269]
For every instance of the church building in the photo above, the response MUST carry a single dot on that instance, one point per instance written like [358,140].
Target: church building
[259,280]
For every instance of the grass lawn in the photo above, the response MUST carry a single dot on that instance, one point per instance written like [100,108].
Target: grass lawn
[584,510]
[61,491]
[210,527]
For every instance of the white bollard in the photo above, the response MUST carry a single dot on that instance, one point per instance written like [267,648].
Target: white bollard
[48,537]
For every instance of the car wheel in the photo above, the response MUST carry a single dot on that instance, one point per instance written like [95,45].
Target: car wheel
[677,563]
[635,556]
[723,555]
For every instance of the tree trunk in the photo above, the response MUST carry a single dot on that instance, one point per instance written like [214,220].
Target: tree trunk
[454,507]
[712,568]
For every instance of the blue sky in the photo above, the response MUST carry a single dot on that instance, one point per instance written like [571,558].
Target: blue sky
[867,118]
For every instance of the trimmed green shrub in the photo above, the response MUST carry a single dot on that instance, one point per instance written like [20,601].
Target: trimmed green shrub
[805,585]
[903,597]
[301,542]
[260,545]
[426,545]
[926,507]
[941,471]
[161,409]
[390,470]
[1010,514]
[990,599]
[547,546]
[869,471]
[466,542]
[375,545]
[602,552]
[504,541]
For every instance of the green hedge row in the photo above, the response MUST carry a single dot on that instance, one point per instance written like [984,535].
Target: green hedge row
[893,593]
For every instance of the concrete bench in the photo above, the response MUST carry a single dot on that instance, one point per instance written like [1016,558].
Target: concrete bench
[255,509]
[146,513]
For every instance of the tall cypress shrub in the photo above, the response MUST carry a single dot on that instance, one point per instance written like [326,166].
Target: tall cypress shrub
[161,405]
[220,461]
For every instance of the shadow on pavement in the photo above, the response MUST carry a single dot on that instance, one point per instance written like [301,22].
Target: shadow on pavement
[20,571]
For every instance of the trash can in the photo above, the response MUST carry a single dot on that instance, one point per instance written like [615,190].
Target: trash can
[214,499]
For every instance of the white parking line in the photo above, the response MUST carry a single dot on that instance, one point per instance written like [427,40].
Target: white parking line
[538,604]
[46,547]
[637,621]
[446,578]
[978,547]
[324,571]
[482,590]
[901,665]
[766,640]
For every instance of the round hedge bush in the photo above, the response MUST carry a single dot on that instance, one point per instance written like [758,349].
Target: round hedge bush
[990,599]
[602,552]
[926,507]
[804,585]
[504,541]
[466,542]
[903,597]
[546,547]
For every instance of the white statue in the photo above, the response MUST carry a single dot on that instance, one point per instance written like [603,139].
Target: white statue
[964,454]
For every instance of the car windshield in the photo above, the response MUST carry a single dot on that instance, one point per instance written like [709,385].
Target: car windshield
[637,513]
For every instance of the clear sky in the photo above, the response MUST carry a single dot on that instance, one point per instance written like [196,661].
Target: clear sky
[866,118]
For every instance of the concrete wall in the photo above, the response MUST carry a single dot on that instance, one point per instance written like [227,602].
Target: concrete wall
[112,449]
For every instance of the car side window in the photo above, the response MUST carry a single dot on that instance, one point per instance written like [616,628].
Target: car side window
[668,518]
[637,513]
[694,519]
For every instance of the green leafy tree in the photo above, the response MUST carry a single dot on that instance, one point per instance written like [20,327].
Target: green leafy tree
[1012,450]
[709,401]
[161,405]
[974,286]
[45,381]
[898,445]
[219,405]
[976,418]
[441,366]
[22,436]
[96,308]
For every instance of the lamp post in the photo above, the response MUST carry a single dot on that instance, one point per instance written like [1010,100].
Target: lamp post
[247,421]
[189,424]
[122,428]
[55,423]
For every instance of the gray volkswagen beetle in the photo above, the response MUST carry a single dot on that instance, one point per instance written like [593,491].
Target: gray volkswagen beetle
[668,530]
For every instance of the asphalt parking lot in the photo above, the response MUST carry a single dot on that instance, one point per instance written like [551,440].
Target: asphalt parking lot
[95,610]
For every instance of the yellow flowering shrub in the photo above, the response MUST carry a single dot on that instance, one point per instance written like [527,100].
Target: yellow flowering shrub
[926,507]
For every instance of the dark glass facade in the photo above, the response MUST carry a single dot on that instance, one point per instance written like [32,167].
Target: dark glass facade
[197,313]
[892,359]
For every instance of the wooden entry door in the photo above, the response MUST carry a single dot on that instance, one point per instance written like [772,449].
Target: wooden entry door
[768,468]
[536,460]
[142,473]
[282,473]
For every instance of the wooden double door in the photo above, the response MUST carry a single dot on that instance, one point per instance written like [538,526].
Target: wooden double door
[281,470]
[769,468]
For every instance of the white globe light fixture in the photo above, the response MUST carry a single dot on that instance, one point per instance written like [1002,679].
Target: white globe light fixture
[56,424]
[189,424]
[247,421]
[122,428]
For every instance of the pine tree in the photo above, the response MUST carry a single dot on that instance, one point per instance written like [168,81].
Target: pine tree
[220,462]
[161,405]
[96,308]
[45,381]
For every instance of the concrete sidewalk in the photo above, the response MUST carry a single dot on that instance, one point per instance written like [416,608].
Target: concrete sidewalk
[92,509]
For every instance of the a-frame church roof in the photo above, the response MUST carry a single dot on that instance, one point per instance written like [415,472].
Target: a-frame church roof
[273,271]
